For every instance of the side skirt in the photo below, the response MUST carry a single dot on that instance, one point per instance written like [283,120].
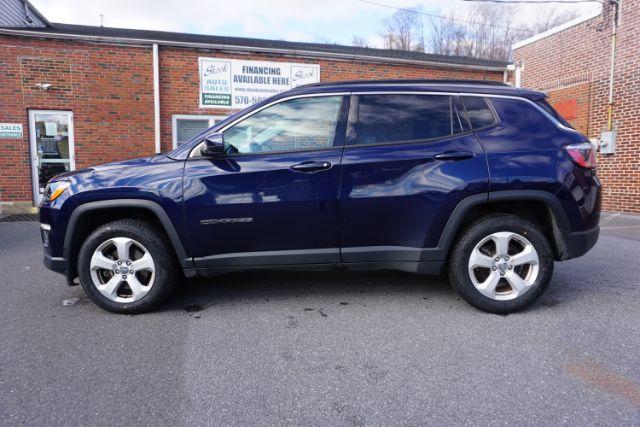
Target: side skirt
[419,267]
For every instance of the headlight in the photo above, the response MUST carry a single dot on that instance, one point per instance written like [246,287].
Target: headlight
[55,190]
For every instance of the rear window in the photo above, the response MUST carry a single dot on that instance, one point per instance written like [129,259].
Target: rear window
[549,109]
[398,118]
[478,112]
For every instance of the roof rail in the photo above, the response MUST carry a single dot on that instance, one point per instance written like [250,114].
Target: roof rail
[410,81]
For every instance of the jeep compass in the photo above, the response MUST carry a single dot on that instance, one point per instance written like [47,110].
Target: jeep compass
[478,180]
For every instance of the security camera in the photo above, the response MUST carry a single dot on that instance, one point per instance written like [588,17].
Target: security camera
[43,86]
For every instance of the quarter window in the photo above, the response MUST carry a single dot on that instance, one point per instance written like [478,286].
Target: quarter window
[398,118]
[297,124]
[478,112]
[549,109]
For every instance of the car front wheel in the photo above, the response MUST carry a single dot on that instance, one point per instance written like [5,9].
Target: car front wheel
[501,264]
[127,266]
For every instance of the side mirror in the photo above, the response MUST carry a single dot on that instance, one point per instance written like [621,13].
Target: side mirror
[213,145]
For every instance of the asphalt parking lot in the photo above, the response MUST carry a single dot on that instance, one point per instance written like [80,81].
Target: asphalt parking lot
[333,348]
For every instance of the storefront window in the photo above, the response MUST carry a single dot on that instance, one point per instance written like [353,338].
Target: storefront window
[51,146]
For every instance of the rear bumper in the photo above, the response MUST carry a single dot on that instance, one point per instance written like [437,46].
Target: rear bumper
[579,243]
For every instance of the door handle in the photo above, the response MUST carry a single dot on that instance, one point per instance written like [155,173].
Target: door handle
[454,155]
[311,166]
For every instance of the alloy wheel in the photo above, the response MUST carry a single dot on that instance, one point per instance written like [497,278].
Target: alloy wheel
[503,266]
[122,270]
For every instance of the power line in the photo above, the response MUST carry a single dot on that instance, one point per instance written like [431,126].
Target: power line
[431,15]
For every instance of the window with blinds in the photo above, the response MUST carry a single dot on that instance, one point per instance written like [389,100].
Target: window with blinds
[186,127]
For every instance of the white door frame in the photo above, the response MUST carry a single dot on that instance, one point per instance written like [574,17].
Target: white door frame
[34,150]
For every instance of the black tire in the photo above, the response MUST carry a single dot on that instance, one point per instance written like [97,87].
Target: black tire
[459,275]
[154,241]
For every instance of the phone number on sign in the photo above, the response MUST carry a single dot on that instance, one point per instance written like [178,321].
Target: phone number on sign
[247,100]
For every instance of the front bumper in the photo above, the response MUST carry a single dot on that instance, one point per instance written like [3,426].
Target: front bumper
[578,243]
[57,264]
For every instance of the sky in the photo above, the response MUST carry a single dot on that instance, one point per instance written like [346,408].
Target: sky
[325,21]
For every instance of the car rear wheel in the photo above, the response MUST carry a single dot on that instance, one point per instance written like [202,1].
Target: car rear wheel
[501,264]
[127,266]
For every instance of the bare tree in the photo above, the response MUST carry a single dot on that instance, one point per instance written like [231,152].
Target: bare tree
[404,30]
[492,34]
[359,41]
[487,32]
[322,39]
[448,37]
[548,18]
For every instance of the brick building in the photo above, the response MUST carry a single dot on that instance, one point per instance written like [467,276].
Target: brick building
[572,63]
[73,96]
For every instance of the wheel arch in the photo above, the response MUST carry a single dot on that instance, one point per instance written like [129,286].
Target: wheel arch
[86,217]
[540,207]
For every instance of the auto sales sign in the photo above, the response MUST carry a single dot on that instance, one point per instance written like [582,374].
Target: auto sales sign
[236,84]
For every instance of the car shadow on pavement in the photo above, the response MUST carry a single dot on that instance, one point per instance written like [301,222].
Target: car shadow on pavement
[265,286]
[254,287]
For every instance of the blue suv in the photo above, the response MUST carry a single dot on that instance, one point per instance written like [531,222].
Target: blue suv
[479,180]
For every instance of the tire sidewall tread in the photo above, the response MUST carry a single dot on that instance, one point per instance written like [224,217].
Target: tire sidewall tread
[459,258]
[154,241]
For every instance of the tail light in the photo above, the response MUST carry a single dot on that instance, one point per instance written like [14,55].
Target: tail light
[582,155]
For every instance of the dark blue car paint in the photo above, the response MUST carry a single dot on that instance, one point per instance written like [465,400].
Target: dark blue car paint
[399,196]
[393,205]
[273,198]
[524,152]
[157,179]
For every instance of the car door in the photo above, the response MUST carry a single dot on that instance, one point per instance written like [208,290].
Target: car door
[409,160]
[272,198]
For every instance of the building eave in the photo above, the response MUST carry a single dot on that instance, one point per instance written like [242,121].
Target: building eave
[245,49]
[555,30]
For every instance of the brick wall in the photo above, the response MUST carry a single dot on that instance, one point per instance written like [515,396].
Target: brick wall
[581,94]
[574,64]
[179,83]
[109,89]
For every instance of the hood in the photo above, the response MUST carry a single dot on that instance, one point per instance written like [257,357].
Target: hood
[128,178]
[125,163]
[105,167]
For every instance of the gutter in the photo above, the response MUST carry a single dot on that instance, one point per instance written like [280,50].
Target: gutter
[612,64]
[248,49]
[156,98]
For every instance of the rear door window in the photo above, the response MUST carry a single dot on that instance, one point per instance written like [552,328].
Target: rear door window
[478,112]
[404,118]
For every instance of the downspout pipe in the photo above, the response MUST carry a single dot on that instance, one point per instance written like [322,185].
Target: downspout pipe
[614,30]
[156,98]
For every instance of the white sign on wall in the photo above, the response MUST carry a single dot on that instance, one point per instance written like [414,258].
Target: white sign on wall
[11,130]
[232,83]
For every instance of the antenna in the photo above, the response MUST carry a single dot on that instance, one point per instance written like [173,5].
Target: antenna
[101,20]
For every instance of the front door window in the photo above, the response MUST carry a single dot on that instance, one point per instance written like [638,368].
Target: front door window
[51,134]
[299,124]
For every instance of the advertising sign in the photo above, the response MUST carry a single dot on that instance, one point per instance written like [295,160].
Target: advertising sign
[11,130]
[236,84]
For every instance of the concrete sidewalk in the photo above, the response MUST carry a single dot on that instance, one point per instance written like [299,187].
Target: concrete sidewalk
[623,225]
